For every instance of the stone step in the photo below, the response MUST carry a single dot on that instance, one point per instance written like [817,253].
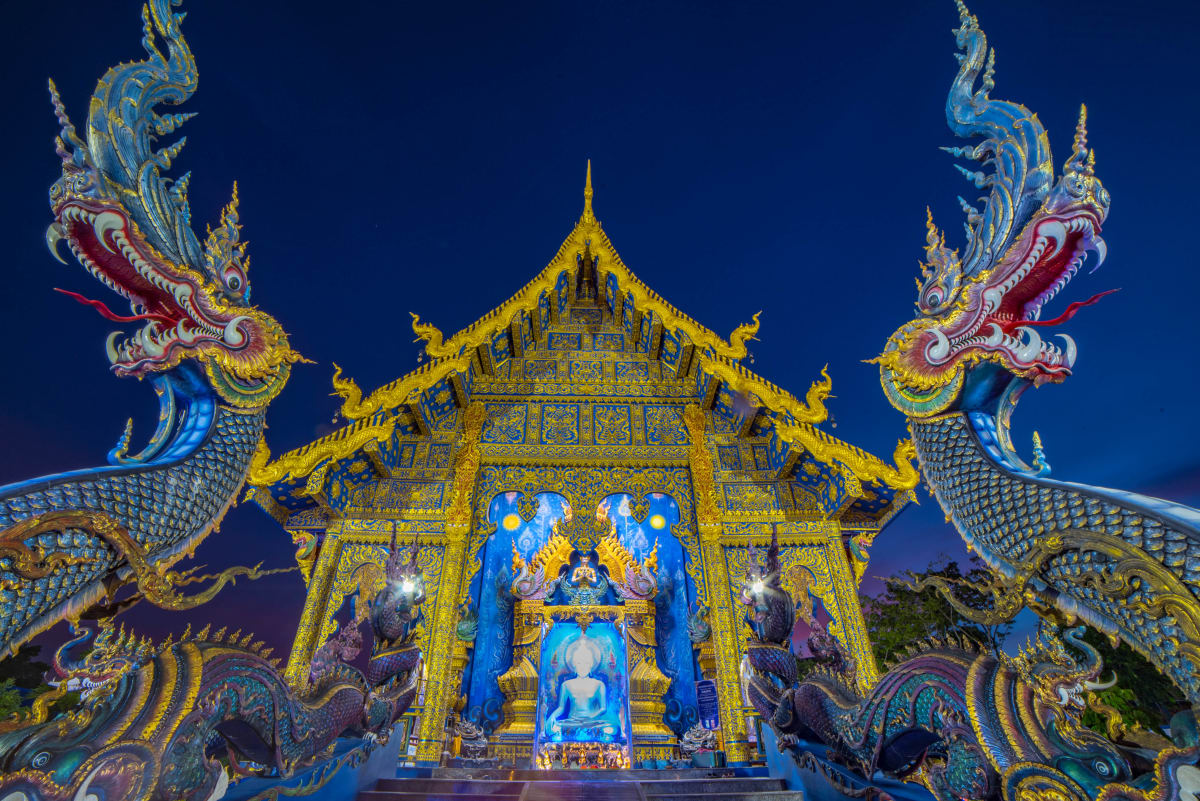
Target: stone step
[492,787]
[660,787]
[768,795]
[581,791]
[583,785]
[414,794]
[576,774]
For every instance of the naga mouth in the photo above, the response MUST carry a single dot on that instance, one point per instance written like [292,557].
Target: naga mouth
[174,305]
[1011,301]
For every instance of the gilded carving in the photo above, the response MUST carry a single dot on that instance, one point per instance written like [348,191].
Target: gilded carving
[560,424]
[588,408]
[612,425]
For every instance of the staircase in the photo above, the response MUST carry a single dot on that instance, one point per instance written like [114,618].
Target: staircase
[465,784]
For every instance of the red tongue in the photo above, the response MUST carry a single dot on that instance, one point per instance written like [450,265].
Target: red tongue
[1009,325]
[109,314]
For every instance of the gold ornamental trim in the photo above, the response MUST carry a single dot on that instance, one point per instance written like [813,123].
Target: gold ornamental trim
[302,461]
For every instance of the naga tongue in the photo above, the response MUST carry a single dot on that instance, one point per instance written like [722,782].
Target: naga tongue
[1009,325]
[109,314]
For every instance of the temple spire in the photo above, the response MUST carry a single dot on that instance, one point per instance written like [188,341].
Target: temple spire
[588,215]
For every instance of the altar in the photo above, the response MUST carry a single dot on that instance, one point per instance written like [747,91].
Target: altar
[584,688]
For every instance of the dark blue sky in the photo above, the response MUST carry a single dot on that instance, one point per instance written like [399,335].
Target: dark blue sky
[397,157]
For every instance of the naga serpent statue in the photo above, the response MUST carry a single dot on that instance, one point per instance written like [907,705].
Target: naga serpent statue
[155,718]
[970,724]
[1125,564]
[214,360]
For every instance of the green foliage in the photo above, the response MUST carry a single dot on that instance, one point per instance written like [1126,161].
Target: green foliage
[900,616]
[22,672]
[21,667]
[10,698]
[67,703]
[1142,695]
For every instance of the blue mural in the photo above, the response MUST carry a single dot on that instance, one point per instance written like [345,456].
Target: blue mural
[525,524]
[658,513]
[583,686]
[492,655]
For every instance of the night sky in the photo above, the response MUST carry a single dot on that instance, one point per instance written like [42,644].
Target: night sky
[397,157]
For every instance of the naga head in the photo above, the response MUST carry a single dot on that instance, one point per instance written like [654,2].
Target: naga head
[130,227]
[770,608]
[396,606]
[980,317]
[1060,681]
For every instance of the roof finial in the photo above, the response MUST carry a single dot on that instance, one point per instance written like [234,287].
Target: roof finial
[588,216]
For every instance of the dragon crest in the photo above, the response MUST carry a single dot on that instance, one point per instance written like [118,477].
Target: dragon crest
[1030,239]
[130,227]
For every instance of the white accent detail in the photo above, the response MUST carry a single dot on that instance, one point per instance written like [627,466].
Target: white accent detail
[1030,350]
[104,222]
[54,235]
[233,334]
[1071,349]
[1101,685]
[1057,230]
[222,786]
[82,793]
[110,347]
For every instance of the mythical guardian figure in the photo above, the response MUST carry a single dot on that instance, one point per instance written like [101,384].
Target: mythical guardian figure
[147,727]
[968,724]
[214,361]
[1123,563]
[976,725]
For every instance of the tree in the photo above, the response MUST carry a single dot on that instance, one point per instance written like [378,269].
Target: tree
[10,699]
[23,670]
[1143,696]
[901,616]
[22,679]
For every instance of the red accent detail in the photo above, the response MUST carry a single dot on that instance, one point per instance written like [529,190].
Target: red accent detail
[1009,325]
[109,314]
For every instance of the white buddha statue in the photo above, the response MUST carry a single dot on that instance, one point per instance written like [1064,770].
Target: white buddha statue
[582,700]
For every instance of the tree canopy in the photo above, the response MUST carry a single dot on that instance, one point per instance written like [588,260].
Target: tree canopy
[901,616]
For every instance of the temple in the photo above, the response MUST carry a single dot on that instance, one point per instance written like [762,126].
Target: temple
[584,476]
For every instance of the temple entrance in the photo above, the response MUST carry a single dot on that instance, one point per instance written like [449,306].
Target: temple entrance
[586,608]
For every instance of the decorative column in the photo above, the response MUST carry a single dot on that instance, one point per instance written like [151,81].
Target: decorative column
[309,631]
[716,582]
[444,681]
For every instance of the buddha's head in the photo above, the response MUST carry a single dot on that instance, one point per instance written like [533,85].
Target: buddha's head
[583,655]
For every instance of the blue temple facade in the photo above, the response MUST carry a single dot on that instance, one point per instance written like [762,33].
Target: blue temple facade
[583,421]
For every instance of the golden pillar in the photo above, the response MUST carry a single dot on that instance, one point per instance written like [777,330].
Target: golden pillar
[309,631]
[652,739]
[443,680]
[725,640]
[716,582]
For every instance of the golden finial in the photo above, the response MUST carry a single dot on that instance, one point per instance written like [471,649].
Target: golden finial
[588,215]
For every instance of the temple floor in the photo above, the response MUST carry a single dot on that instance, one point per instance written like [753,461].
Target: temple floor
[465,784]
